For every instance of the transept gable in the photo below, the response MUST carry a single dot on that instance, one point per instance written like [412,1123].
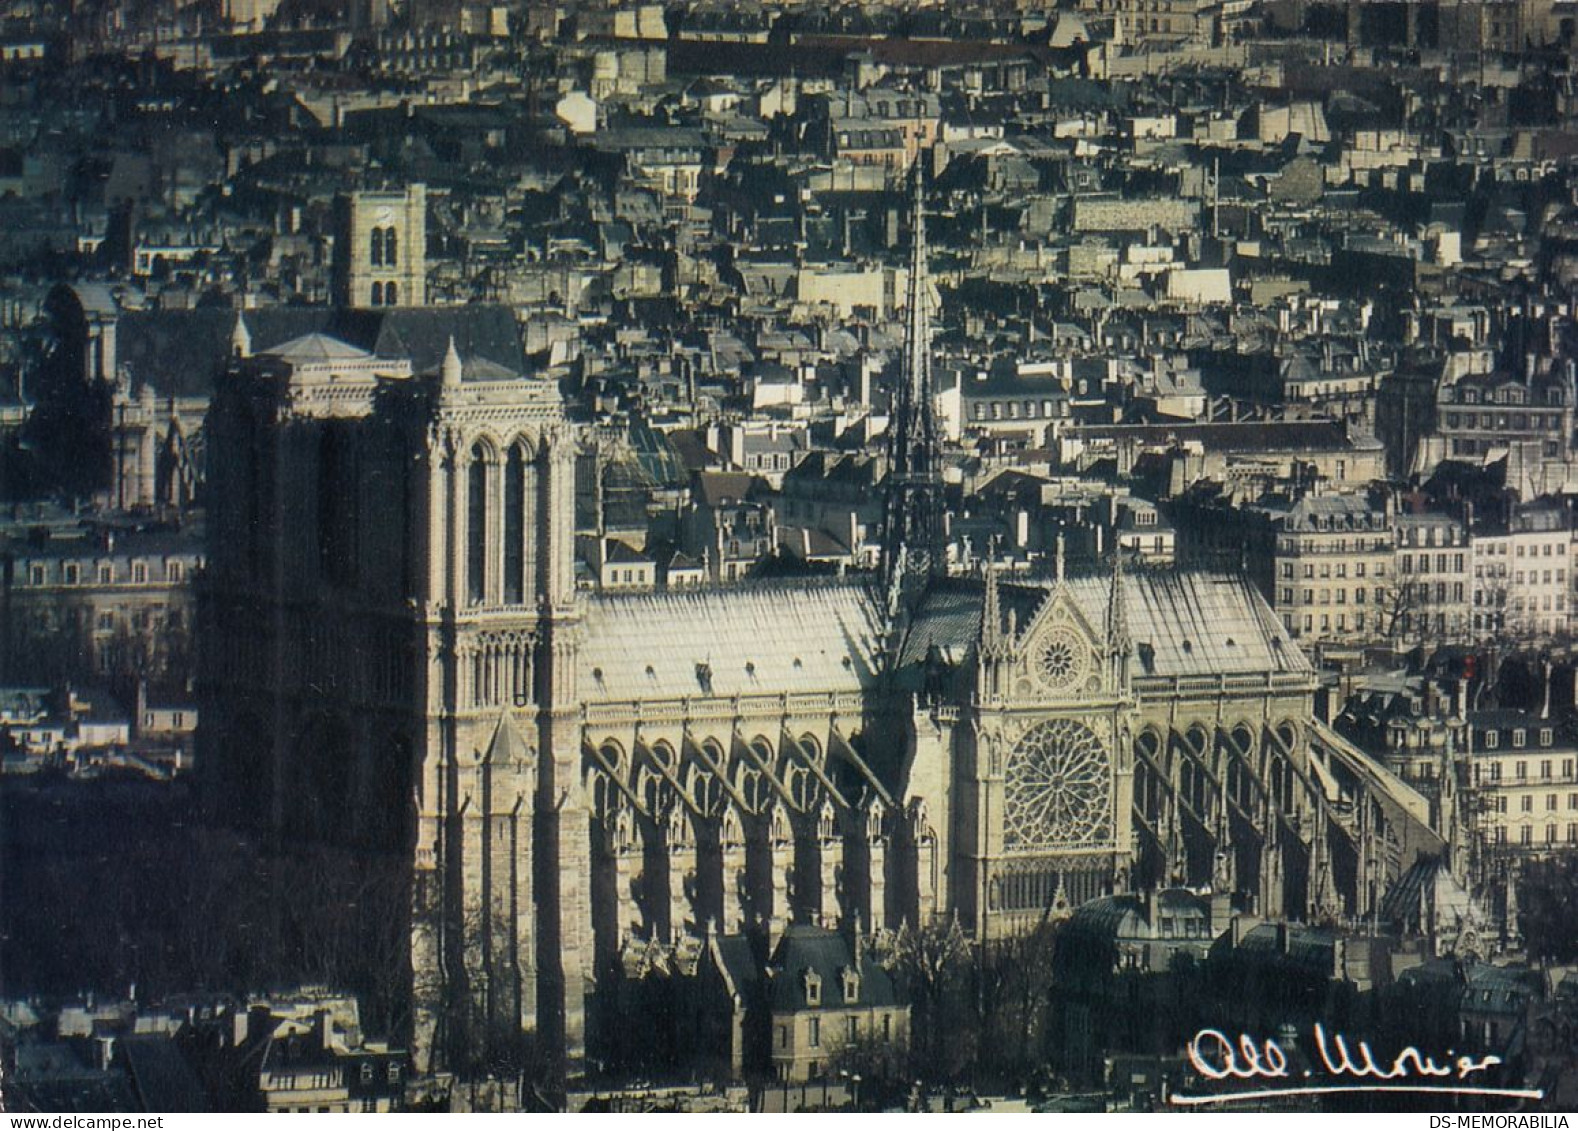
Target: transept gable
[1059,653]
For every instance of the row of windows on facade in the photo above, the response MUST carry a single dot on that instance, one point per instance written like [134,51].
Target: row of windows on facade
[1458,563]
[72,573]
[851,1033]
[1504,422]
[1327,569]
[999,410]
[1341,595]
[1293,544]
[1491,772]
[1526,803]
[1526,834]
[1551,450]
[1428,536]
[1406,623]
[105,620]
[1519,605]
[1524,550]
[644,576]
[386,294]
[1507,394]
[1497,622]
[1339,523]
[1491,740]
[1532,577]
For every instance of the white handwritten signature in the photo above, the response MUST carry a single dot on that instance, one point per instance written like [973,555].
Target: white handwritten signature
[1216,1056]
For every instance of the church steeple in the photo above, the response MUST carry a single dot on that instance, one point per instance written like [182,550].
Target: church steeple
[993,644]
[912,542]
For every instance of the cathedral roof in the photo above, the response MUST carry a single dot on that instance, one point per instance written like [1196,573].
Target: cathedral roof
[317,347]
[1182,623]
[749,640]
[1429,889]
[179,353]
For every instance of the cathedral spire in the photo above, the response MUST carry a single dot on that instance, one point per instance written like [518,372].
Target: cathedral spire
[1118,642]
[912,544]
[991,616]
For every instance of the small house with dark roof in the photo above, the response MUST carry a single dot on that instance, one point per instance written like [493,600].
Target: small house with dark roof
[683,572]
[625,567]
[825,994]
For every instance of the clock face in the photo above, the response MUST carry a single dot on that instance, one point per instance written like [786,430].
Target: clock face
[1059,660]
[386,215]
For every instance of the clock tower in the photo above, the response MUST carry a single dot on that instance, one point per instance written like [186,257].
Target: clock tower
[380,248]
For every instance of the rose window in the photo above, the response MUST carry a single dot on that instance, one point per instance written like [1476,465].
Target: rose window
[1058,788]
[1059,660]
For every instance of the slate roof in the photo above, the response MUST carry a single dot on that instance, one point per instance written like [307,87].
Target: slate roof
[179,353]
[1182,623]
[1448,898]
[316,347]
[163,1079]
[1124,916]
[750,640]
[827,953]
[1310,948]
[739,961]
[727,488]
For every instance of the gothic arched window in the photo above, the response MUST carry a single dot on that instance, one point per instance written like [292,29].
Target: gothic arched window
[392,294]
[477,526]
[514,535]
[375,248]
[391,248]
[378,294]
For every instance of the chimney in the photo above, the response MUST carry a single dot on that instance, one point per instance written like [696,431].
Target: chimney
[1221,912]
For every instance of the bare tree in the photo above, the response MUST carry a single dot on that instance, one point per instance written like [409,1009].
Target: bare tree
[932,964]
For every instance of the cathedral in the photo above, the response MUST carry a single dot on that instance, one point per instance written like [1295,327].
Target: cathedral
[399,660]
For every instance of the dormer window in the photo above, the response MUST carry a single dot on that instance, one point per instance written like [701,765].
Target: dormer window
[813,987]
[1545,736]
[1519,737]
[851,984]
[1492,740]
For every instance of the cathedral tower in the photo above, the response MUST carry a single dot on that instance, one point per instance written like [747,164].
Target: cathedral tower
[388,614]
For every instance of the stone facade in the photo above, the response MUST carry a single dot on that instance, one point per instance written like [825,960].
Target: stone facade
[380,248]
[399,662]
